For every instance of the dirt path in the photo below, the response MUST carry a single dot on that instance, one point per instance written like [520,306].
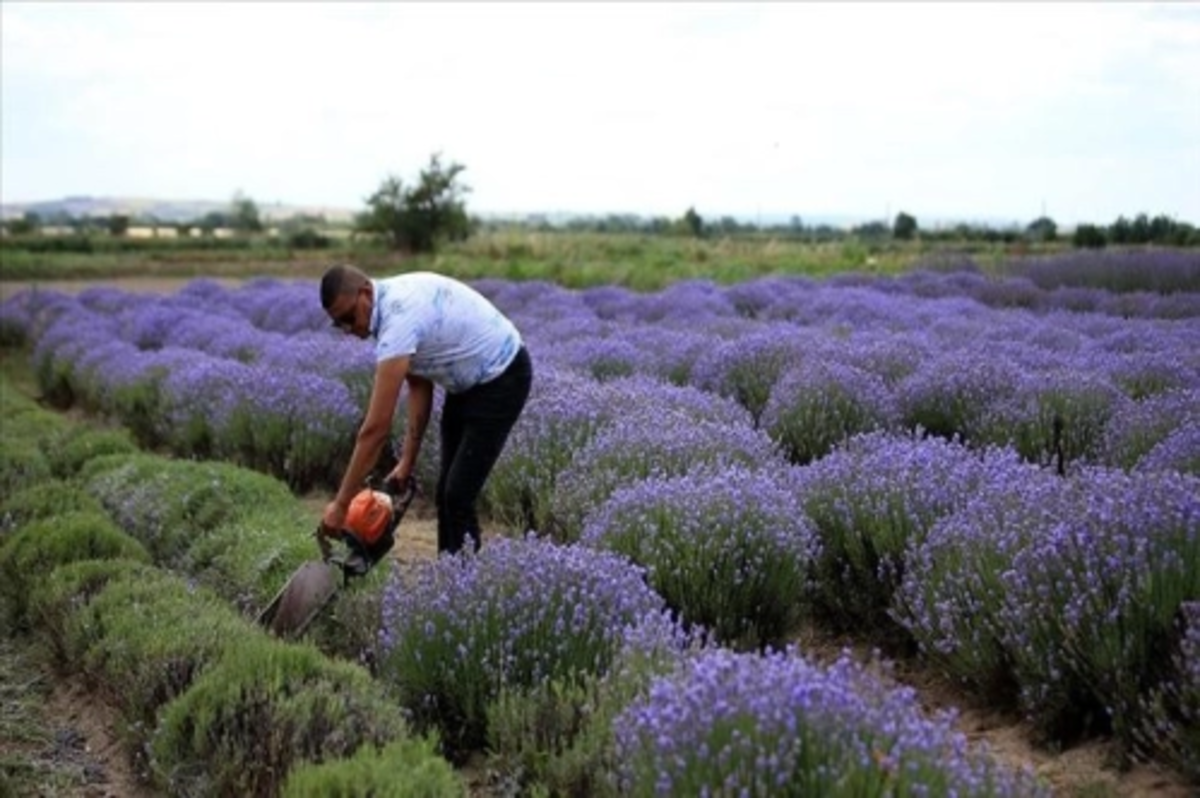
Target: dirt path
[91,726]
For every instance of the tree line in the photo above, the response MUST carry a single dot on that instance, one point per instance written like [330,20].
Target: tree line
[424,213]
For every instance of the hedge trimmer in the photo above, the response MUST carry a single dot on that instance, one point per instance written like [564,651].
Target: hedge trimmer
[367,537]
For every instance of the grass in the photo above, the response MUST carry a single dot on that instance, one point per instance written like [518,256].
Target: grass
[575,260]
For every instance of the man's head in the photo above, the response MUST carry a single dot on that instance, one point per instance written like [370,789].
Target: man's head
[348,297]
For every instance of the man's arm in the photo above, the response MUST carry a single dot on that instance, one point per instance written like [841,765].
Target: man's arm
[420,405]
[375,429]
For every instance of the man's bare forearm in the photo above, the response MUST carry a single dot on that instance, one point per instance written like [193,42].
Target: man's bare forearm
[420,405]
[367,447]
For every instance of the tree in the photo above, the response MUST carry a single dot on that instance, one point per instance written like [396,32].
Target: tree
[905,227]
[1089,236]
[693,223]
[1042,228]
[243,214]
[118,224]
[421,217]
[1120,231]
[27,224]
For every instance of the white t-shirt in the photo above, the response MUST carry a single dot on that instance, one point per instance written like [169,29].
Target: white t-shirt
[455,336]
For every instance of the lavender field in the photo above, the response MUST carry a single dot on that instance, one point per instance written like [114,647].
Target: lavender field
[1001,478]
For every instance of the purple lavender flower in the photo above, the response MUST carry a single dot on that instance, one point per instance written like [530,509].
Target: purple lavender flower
[649,443]
[564,412]
[729,551]
[874,500]
[1054,417]
[1179,451]
[1138,427]
[742,724]
[1065,588]
[692,302]
[757,298]
[1170,729]
[817,405]
[952,393]
[746,368]
[518,613]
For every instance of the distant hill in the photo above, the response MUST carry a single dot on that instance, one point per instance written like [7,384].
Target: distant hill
[162,209]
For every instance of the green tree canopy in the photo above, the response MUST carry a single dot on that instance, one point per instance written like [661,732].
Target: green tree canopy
[243,214]
[421,217]
[905,227]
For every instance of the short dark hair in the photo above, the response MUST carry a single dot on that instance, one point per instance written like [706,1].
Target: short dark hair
[338,280]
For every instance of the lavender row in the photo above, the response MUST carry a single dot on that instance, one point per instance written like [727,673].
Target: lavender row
[827,362]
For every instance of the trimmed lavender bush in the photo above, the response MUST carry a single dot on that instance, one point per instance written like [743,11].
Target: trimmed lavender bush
[874,500]
[168,504]
[815,406]
[730,552]
[654,442]
[739,724]
[516,614]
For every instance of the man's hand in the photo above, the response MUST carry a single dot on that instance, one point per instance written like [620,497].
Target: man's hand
[334,518]
[400,473]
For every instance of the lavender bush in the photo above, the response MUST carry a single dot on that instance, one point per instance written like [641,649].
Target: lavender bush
[653,442]
[563,413]
[745,369]
[952,394]
[1179,451]
[1171,729]
[516,614]
[1136,428]
[730,552]
[1059,594]
[739,724]
[815,406]
[1055,417]
[874,500]
[1090,603]
[167,505]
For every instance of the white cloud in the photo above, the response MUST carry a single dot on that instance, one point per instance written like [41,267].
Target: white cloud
[973,109]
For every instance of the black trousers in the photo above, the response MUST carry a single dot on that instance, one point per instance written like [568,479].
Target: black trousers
[475,427]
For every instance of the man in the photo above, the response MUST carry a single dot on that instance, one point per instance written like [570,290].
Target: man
[431,330]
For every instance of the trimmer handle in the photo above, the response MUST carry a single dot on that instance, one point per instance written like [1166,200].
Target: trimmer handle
[402,492]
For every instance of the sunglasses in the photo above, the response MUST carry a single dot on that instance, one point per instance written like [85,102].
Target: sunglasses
[347,319]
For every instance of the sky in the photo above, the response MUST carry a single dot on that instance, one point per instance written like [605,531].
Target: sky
[967,111]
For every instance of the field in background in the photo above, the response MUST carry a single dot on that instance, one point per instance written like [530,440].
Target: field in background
[574,260]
